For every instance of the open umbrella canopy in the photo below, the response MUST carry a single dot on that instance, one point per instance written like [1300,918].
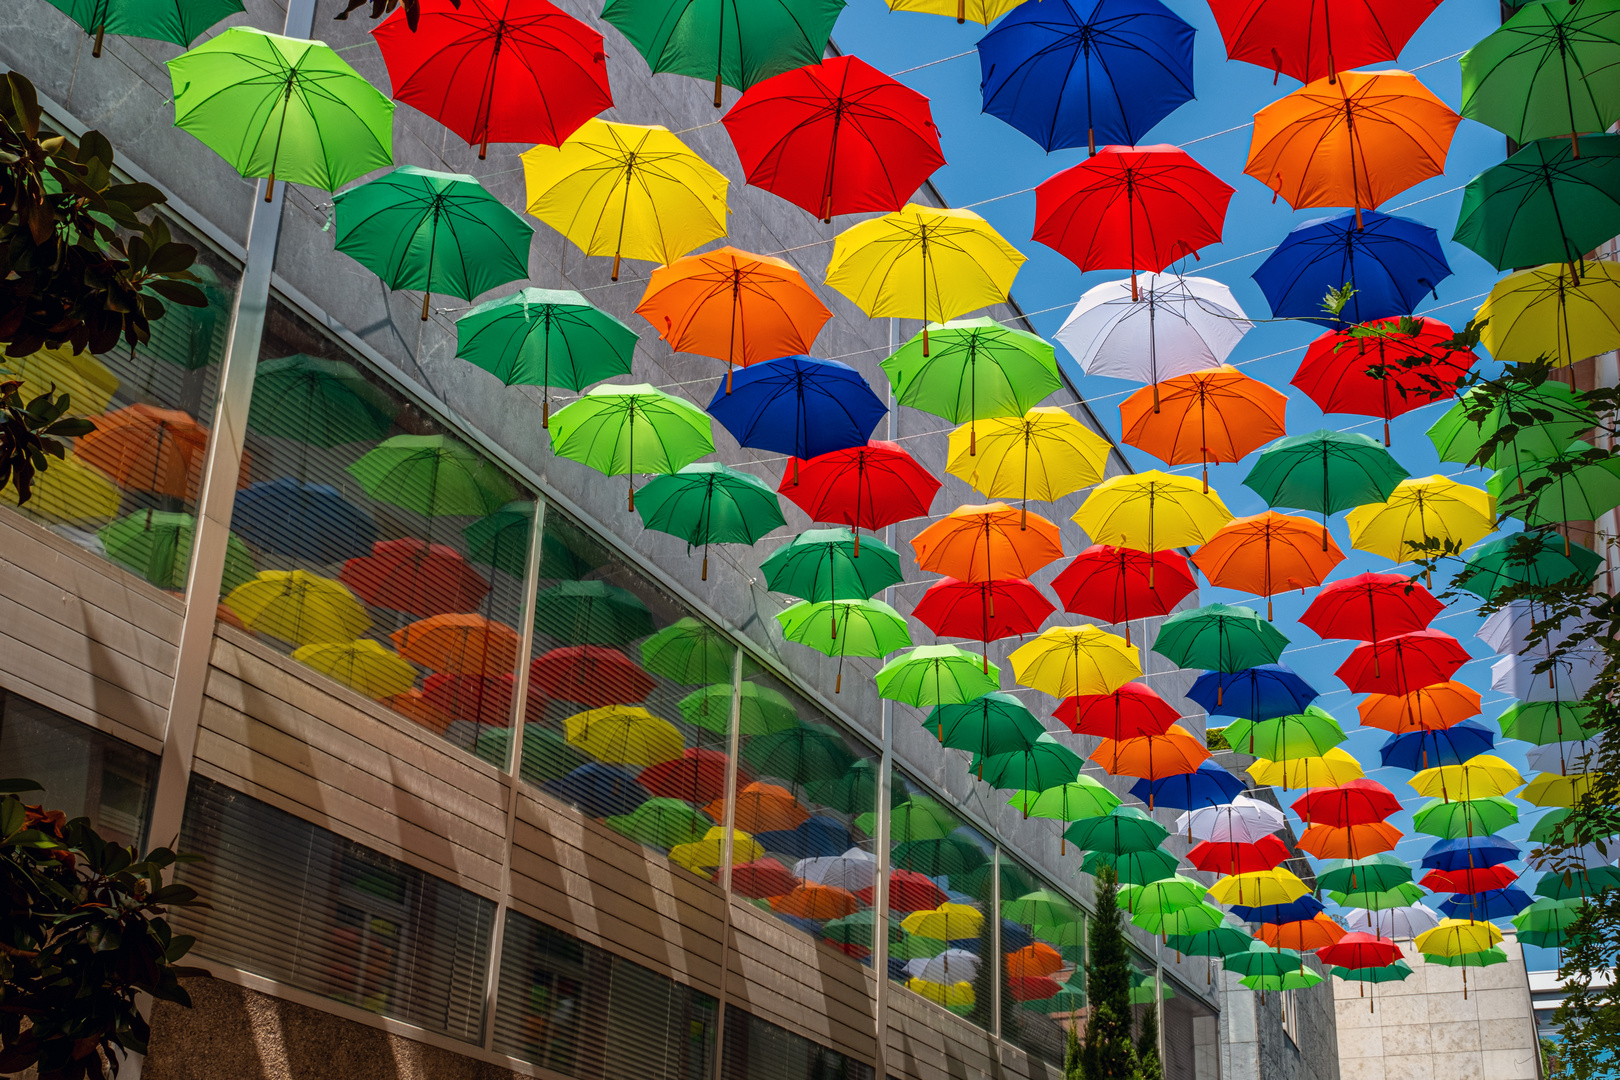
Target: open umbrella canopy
[1400,664]
[1278,886]
[1556,789]
[1150,757]
[1371,607]
[987,541]
[707,504]
[433,475]
[974,369]
[1393,263]
[1549,71]
[1576,483]
[1376,872]
[1303,935]
[1044,454]
[1401,922]
[1457,937]
[1171,325]
[845,627]
[1264,692]
[1133,868]
[177,21]
[1207,785]
[1219,415]
[1118,584]
[415,577]
[1577,884]
[1545,722]
[1151,511]
[997,723]
[1324,472]
[1384,368]
[156,544]
[1066,661]
[1087,72]
[303,608]
[1428,708]
[1418,750]
[1307,734]
[982,610]
[1469,852]
[1046,764]
[827,564]
[1424,517]
[1122,830]
[1243,820]
[1133,710]
[1219,637]
[1537,559]
[1317,40]
[1450,819]
[1303,908]
[1267,554]
[1402,895]
[1235,857]
[931,675]
[1544,204]
[1355,803]
[798,405]
[1223,940]
[1187,920]
[1470,881]
[1544,922]
[1544,418]
[1554,314]
[870,486]
[1350,841]
[635,428]
[1333,767]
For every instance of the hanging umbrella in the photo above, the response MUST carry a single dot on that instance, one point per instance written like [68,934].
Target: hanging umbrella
[311,522]
[624,735]
[1357,803]
[1046,764]
[177,21]
[845,628]
[1578,884]
[1468,852]
[1243,820]
[1399,664]
[1237,857]
[1264,692]
[976,369]
[70,491]
[503,71]
[1135,868]
[1479,777]
[1577,483]
[1188,920]
[318,401]
[1219,637]
[141,448]
[1219,415]
[1349,841]
[1303,908]
[1468,885]
[1127,713]
[635,428]
[1450,819]
[1424,518]
[1419,750]
[456,644]
[415,577]
[626,190]
[1564,758]
[595,613]
[157,545]
[728,43]
[1383,369]
[1084,73]
[1044,454]
[281,106]
[545,338]
[983,611]
[1207,785]
[1267,554]
[1122,830]
[707,504]
[1131,208]
[593,675]
[1536,559]
[1333,767]
[1067,661]
[1117,584]
[1277,886]
[799,406]
[1548,721]
[432,475]
[1551,314]
[996,723]
[983,12]
[299,607]
[1324,472]
[1072,800]
[1545,417]
[1219,941]
[1405,922]
[826,564]
[1544,204]
[1317,40]
[1549,71]
[1554,789]
[664,823]
[697,776]
[985,542]
[1287,738]
[1304,935]
[931,675]
[1393,263]
[838,137]
[363,665]
[1151,511]
[1456,938]
[1152,757]
[923,262]
[865,487]
[1371,607]
[1427,708]
[760,710]
[1545,922]
[1376,872]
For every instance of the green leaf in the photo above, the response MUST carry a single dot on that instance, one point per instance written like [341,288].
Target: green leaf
[14,783]
[178,291]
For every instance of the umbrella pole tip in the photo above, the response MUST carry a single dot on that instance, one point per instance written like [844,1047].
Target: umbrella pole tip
[101,32]
[615,275]
[483,148]
[705,568]
[270,187]
[426,297]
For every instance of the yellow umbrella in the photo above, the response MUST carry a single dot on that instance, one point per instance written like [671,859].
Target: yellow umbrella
[626,190]
[70,490]
[624,735]
[1552,789]
[1044,454]
[704,855]
[1332,769]
[1420,512]
[958,994]
[1457,937]
[923,262]
[1479,777]
[1151,511]
[947,922]
[1553,313]
[299,607]
[362,665]
[86,380]
[983,12]
[1067,661]
[1259,888]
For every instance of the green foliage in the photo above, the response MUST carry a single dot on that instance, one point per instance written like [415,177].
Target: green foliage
[31,433]
[1072,1052]
[1147,1043]
[83,934]
[1335,299]
[1215,740]
[79,265]
[1109,1053]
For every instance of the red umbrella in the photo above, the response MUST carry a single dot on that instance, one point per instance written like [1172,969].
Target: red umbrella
[1319,38]
[1117,584]
[864,487]
[1477,879]
[1230,857]
[838,137]
[519,71]
[1130,712]
[592,675]
[415,577]
[982,610]
[1385,375]
[1033,987]
[1360,951]
[1359,802]
[481,699]
[762,879]
[698,776]
[1131,208]
[1405,662]
[1370,607]
[909,891]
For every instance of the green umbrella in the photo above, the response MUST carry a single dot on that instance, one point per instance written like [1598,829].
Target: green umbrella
[636,428]
[663,823]
[546,338]
[1298,979]
[1074,800]
[915,946]
[945,856]
[501,540]
[937,675]
[1551,70]
[825,564]
[1403,894]
[1543,204]
[845,628]
[178,21]
[1543,722]
[1222,941]
[275,106]
[973,369]
[1219,637]
[1135,867]
[1043,907]
[1485,958]
[760,710]
[1187,920]
[728,41]
[319,402]
[1382,871]
[855,790]
[434,475]
[1465,817]
[710,503]
[591,613]
[1311,733]
[1537,418]
[1551,829]
[976,882]
[1067,936]
[546,754]
[802,753]
[156,544]
[1324,472]
[918,818]
[690,652]
[1577,884]
[1535,559]
[1261,959]
[1121,830]
[1170,894]
[861,929]
[1395,972]
[1578,483]
[1543,923]
[1046,764]
[997,723]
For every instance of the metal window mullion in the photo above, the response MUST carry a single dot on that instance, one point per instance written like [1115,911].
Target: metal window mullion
[885,789]
[728,824]
[995,941]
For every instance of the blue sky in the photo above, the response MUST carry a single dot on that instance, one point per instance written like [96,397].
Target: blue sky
[990,160]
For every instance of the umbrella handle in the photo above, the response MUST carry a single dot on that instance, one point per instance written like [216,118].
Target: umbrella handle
[101,32]
[425,298]
[717,84]
[270,186]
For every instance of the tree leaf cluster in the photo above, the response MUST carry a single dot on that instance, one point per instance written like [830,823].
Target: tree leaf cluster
[31,433]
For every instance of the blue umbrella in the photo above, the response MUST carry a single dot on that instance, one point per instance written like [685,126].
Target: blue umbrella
[1393,262]
[1484,906]
[1208,785]
[1418,750]
[1258,693]
[897,969]
[1083,72]
[1305,908]
[1013,938]
[1469,852]
[809,926]
[816,837]
[599,790]
[304,521]
[799,405]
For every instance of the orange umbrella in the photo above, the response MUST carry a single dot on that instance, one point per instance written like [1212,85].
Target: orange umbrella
[819,902]
[763,808]
[1304,935]
[733,306]
[147,449]
[1268,553]
[1351,141]
[1215,415]
[414,705]
[1350,842]
[986,542]
[459,644]
[1034,961]
[1151,757]
[1427,708]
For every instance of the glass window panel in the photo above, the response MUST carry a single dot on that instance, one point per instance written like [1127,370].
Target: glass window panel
[297,904]
[759,1050]
[128,490]
[374,545]
[1191,1037]
[1043,957]
[1144,987]
[576,1009]
[82,772]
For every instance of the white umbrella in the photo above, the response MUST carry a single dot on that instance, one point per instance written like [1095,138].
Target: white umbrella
[950,966]
[1507,629]
[1242,821]
[1570,677]
[1178,326]
[1401,922]
[1565,757]
[852,871]
[1588,855]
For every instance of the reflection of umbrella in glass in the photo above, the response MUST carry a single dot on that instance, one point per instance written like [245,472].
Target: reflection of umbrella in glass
[803,753]
[88,382]
[707,854]
[624,735]
[600,790]
[306,521]
[710,503]
[948,922]
[818,836]
[362,665]
[663,823]
[318,401]
[761,879]
[458,643]
[299,607]
[817,902]
[690,652]
[546,756]
[433,475]
[593,613]
[946,856]
[157,545]
[501,540]
[415,577]
[697,776]
[477,699]
[761,710]
[918,818]
[70,491]
[593,675]
[147,449]
[764,808]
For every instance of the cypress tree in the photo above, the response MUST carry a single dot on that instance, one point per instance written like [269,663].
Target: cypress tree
[1149,1067]
[1109,1053]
